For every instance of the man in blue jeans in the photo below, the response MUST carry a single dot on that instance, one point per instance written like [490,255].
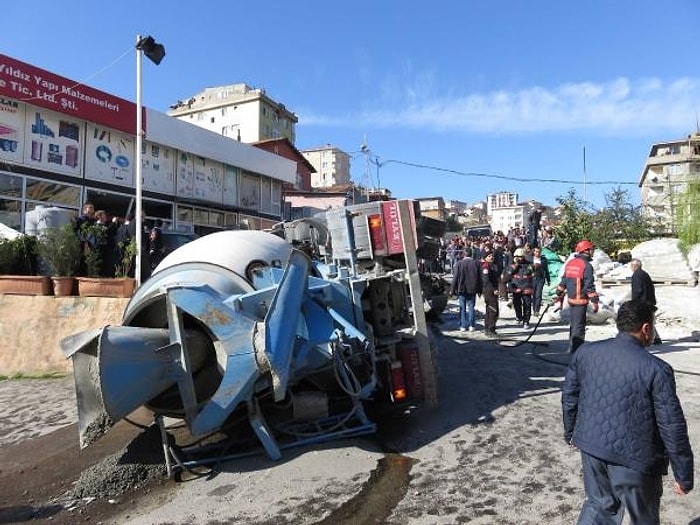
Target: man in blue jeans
[466,285]
[620,409]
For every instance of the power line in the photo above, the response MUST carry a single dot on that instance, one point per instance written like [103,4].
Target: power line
[91,76]
[501,177]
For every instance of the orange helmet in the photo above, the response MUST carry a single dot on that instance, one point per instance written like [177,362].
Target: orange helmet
[583,245]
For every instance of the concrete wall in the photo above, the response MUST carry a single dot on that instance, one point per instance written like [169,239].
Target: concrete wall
[31,329]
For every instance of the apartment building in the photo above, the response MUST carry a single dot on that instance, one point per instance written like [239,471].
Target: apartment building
[666,173]
[239,112]
[504,211]
[332,166]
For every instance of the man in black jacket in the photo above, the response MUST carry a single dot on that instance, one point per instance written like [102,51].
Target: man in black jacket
[466,285]
[620,409]
[643,288]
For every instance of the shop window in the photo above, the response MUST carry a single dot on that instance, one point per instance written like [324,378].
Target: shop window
[9,213]
[10,185]
[201,216]
[185,214]
[53,192]
[216,218]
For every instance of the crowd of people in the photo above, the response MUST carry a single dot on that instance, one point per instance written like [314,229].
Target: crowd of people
[104,239]
[623,466]
[502,267]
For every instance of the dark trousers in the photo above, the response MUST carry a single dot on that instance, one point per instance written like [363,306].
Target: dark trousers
[577,328]
[522,304]
[491,315]
[612,489]
[537,288]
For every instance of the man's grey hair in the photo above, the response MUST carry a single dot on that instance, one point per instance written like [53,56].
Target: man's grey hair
[636,263]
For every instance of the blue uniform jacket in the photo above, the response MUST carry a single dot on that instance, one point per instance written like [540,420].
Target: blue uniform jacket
[620,405]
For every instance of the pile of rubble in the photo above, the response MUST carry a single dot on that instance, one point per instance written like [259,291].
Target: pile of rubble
[662,259]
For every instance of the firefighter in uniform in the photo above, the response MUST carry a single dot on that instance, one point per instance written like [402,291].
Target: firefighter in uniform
[490,278]
[519,277]
[578,283]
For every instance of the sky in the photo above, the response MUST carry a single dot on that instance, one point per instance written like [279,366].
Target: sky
[453,98]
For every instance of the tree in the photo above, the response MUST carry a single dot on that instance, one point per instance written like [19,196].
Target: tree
[620,224]
[575,223]
[687,215]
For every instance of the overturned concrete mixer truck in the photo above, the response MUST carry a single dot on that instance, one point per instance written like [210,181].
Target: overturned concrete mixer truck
[286,336]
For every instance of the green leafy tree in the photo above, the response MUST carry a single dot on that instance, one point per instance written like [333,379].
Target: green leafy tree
[574,224]
[688,216]
[620,224]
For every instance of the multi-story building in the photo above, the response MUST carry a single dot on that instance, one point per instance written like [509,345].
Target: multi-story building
[502,199]
[666,173]
[456,209]
[286,149]
[505,211]
[433,207]
[332,166]
[238,111]
[63,143]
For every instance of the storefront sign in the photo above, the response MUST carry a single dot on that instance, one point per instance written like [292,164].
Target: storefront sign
[35,86]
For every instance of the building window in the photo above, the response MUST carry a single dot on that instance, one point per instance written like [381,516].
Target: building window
[211,120]
[223,111]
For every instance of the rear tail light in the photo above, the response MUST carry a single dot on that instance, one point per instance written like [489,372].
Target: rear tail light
[398,384]
[376,232]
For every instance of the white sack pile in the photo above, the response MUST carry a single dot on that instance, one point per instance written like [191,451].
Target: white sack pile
[663,261]
[8,233]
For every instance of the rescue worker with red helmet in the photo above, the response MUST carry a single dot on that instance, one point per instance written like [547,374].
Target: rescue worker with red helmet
[578,283]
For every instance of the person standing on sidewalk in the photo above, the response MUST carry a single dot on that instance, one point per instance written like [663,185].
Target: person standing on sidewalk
[491,279]
[620,409]
[466,285]
[643,289]
[578,283]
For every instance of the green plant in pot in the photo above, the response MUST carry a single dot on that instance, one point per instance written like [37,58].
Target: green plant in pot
[60,249]
[18,255]
[127,257]
[93,239]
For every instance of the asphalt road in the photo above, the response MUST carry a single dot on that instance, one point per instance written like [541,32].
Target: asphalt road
[490,453]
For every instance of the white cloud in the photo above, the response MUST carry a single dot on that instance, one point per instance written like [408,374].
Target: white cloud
[620,106]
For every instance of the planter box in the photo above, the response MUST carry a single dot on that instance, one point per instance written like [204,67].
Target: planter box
[25,284]
[106,287]
[64,286]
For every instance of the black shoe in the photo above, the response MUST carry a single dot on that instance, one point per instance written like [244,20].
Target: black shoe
[492,335]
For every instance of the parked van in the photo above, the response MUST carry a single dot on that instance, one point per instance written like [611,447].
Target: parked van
[482,230]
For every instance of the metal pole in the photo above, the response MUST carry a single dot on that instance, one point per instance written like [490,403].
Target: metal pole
[139,140]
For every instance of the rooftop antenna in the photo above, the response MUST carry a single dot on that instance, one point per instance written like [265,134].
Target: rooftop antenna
[367,177]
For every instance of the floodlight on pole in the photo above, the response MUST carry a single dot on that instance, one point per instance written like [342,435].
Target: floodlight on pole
[155,52]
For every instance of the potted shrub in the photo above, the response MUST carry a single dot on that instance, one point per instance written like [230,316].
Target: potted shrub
[18,267]
[60,249]
[125,263]
[93,238]
[93,242]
